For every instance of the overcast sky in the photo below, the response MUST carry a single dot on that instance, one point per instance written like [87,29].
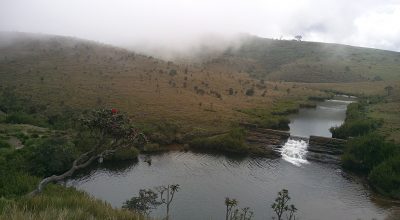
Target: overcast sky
[178,23]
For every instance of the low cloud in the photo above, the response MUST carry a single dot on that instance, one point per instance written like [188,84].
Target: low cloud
[181,24]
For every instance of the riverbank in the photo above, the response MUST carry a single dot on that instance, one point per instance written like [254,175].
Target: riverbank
[370,151]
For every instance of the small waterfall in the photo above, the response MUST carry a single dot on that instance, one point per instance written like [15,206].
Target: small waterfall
[294,151]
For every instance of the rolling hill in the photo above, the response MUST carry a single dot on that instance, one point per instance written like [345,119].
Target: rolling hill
[312,62]
[68,73]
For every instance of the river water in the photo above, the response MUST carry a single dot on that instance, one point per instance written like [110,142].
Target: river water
[319,191]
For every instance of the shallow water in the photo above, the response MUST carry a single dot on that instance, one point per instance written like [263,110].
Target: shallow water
[319,191]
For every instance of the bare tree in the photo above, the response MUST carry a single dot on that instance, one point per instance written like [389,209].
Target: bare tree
[112,131]
[169,191]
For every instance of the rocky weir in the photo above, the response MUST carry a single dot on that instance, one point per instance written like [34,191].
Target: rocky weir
[321,149]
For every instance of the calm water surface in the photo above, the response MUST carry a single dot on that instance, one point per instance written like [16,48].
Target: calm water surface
[319,191]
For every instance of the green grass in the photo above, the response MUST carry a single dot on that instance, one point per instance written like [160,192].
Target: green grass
[315,62]
[4,144]
[232,142]
[58,202]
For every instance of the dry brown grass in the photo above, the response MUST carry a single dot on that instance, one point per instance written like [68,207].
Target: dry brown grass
[86,75]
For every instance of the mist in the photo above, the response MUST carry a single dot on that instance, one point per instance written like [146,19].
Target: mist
[167,28]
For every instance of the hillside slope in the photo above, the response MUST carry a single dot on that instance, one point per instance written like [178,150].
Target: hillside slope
[62,73]
[308,61]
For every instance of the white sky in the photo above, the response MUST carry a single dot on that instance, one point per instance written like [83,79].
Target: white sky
[179,23]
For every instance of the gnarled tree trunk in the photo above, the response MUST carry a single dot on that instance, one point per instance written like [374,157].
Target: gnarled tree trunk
[82,161]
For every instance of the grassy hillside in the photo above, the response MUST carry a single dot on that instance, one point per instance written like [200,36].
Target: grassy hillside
[309,61]
[58,202]
[62,73]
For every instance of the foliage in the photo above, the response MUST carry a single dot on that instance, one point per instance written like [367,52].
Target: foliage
[162,132]
[232,142]
[274,118]
[110,124]
[379,159]
[58,202]
[385,177]
[24,118]
[16,183]
[53,156]
[366,152]
[280,206]
[151,147]
[125,153]
[355,128]
[144,203]
[356,123]
[233,213]
[149,199]
[169,191]
[4,144]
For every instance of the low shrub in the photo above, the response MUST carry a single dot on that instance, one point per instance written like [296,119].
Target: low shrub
[232,142]
[51,156]
[355,128]
[4,144]
[365,152]
[356,123]
[126,153]
[24,118]
[385,177]
[151,147]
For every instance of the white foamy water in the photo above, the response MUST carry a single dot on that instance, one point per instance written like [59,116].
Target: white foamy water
[294,151]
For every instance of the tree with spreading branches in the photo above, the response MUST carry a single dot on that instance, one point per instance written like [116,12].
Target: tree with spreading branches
[112,131]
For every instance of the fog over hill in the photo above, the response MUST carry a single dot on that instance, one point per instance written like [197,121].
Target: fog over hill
[260,58]
[181,25]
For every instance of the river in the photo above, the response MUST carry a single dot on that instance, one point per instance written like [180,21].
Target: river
[319,191]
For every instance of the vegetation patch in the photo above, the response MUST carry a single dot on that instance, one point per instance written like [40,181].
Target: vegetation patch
[378,159]
[58,202]
[232,142]
[356,123]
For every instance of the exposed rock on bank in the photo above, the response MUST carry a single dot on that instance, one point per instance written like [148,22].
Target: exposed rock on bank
[324,149]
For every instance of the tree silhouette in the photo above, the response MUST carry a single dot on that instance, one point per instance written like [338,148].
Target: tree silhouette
[280,206]
[236,214]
